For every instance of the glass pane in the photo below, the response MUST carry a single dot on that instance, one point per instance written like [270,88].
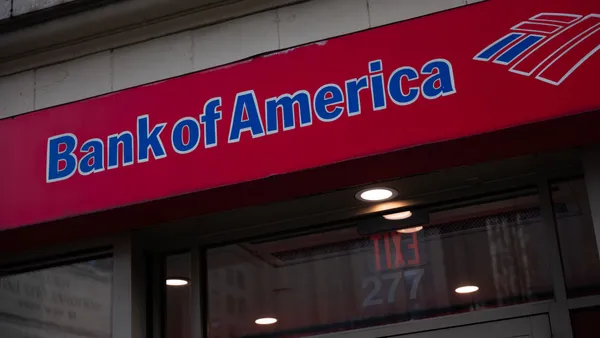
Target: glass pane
[585,322]
[340,280]
[178,296]
[577,239]
[71,301]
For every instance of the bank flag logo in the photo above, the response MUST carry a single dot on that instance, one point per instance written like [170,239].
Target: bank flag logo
[549,46]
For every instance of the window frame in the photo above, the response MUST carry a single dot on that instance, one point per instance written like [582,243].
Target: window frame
[545,169]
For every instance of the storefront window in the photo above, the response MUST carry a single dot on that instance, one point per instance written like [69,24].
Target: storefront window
[577,238]
[178,296]
[464,258]
[72,301]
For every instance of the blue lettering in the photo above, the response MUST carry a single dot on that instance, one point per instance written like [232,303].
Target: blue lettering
[353,88]
[377,86]
[245,117]
[441,82]
[327,96]
[149,140]
[209,119]
[287,103]
[375,66]
[177,137]
[126,140]
[93,161]
[395,86]
[56,156]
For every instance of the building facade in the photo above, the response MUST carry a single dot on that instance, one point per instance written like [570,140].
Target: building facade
[284,168]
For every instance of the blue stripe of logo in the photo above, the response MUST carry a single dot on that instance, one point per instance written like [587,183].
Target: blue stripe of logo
[516,50]
[490,51]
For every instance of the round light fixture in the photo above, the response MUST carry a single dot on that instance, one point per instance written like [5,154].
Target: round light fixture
[177,281]
[266,321]
[410,230]
[376,194]
[467,289]
[398,216]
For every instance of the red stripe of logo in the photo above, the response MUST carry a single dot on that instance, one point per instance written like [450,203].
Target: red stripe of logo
[538,27]
[562,66]
[544,53]
[557,17]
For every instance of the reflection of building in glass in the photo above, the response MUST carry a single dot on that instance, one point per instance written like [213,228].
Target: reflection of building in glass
[230,293]
[335,280]
[67,301]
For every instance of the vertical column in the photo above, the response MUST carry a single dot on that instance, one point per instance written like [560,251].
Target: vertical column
[560,320]
[129,301]
[591,170]
[199,283]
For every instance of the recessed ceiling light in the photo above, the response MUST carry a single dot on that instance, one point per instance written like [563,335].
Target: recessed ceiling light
[398,216]
[177,282]
[467,289]
[410,230]
[266,321]
[376,194]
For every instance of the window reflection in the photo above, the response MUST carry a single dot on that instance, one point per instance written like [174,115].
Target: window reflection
[178,296]
[340,280]
[577,238]
[72,301]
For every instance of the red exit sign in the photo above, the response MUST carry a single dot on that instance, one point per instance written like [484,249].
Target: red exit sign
[395,250]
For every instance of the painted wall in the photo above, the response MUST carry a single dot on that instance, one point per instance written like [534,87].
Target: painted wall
[202,48]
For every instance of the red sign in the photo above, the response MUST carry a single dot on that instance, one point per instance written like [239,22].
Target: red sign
[472,70]
[399,256]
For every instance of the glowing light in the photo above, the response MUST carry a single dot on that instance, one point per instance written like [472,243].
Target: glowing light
[266,321]
[410,230]
[177,282]
[467,289]
[398,216]
[376,194]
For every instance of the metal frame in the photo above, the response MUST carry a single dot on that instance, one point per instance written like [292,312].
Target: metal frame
[583,302]
[48,256]
[155,296]
[560,320]
[200,293]
[446,322]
